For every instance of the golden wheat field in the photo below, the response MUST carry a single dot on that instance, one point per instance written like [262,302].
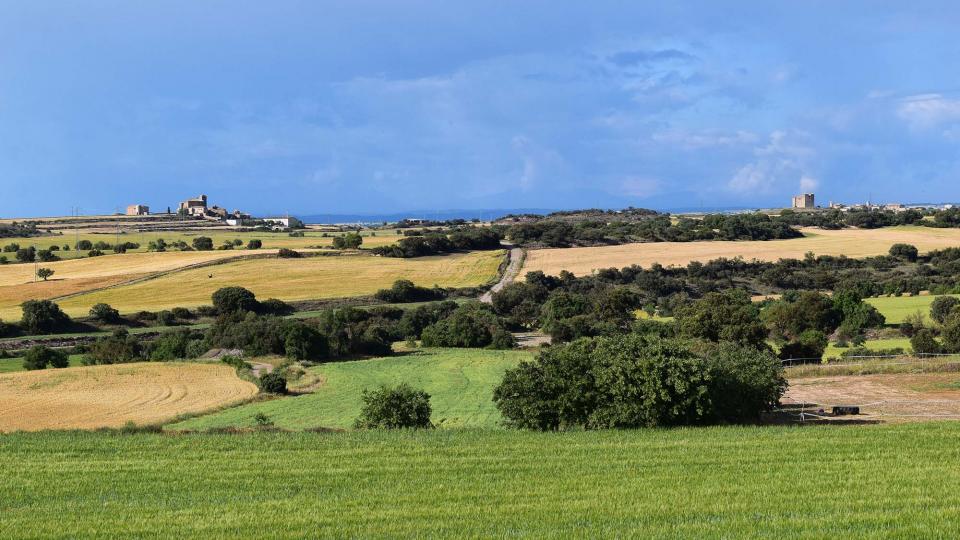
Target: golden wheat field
[294,279]
[110,396]
[849,242]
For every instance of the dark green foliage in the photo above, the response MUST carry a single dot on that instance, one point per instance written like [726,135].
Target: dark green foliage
[166,318]
[255,243]
[230,300]
[43,317]
[182,313]
[105,314]
[519,303]
[638,381]
[236,362]
[723,316]
[398,407]
[464,238]
[84,245]
[347,241]
[470,325]
[174,345]
[404,290]
[950,334]
[27,254]
[797,313]
[272,306]
[906,252]
[46,255]
[202,243]
[413,321]
[273,383]
[925,342]
[809,346]
[942,307]
[118,348]
[94,253]
[39,357]
[285,253]
[304,342]
[45,273]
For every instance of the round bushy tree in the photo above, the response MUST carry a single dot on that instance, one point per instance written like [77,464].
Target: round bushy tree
[202,243]
[105,313]
[255,243]
[43,317]
[906,252]
[942,306]
[924,342]
[401,406]
[39,357]
[304,342]
[234,299]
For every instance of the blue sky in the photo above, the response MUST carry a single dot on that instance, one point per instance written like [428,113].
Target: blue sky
[373,107]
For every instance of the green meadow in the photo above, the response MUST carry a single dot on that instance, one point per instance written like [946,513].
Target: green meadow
[725,482]
[459,381]
[897,308]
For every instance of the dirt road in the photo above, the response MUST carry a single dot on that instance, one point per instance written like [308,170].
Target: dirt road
[513,269]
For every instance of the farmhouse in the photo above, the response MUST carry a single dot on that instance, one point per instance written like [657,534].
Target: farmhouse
[282,221]
[138,210]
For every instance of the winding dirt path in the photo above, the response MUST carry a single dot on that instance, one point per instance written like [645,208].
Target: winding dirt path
[516,256]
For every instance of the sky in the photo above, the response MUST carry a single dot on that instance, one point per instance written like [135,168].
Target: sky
[377,107]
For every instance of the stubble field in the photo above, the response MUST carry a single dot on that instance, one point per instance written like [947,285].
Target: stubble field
[110,396]
[850,242]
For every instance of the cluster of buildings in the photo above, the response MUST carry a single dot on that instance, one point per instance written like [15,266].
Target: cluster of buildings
[807,201]
[197,207]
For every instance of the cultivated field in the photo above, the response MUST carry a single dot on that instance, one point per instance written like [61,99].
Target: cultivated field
[459,381]
[111,396]
[726,482]
[849,242]
[307,278]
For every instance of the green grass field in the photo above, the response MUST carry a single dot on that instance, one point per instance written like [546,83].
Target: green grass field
[8,365]
[731,482]
[897,308]
[459,381]
[874,345]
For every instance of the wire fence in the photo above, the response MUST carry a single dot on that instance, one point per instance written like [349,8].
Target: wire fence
[787,362]
[877,410]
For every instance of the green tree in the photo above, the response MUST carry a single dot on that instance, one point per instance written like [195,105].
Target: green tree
[27,254]
[924,342]
[942,307]
[43,317]
[104,313]
[44,273]
[723,316]
[906,252]
[202,243]
[273,383]
[396,407]
[255,243]
[39,357]
[233,299]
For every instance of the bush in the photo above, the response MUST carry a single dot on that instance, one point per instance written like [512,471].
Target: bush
[951,333]
[105,314]
[28,254]
[396,407]
[39,357]
[84,245]
[347,241]
[206,311]
[166,318]
[726,316]
[470,325]
[924,342]
[118,348]
[810,345]
[173,345]
[254,243]
[404,290]
[202,243]
[46,255]
[233,300]
[638,381]
[272,306]
[942,307]
[182,313]
[273,383]
[43,317]
[906,252]
[285,253]
[94,253]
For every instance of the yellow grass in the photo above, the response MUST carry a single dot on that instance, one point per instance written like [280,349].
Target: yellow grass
[849,242]
[294,279]
[111,396]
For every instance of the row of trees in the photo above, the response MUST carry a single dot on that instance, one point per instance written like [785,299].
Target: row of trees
[462,239]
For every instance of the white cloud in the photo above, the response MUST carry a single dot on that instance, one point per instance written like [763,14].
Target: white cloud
[695,140]
[808,183]
[780,162]
[641,187]
[925,111]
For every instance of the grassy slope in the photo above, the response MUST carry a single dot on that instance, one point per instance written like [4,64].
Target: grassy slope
[459,381]
[8,365]
[838,482]
[874,345]
[896,309]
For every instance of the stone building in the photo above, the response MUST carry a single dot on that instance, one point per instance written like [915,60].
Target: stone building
[803,201]
[138,210]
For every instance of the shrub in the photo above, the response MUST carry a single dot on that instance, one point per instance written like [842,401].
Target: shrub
[924,342]
[84,245]
[470,325]
[28,254]
[272,306]
[202,243]
[166,318]
[404,290]
[255,243]
[942,307]
[43,317]
[234,299]
[39,357]
[115,349]
[951,333]
[810,345]
[726,316]
[206,311]
[396,407]
[173,345]
[744,383]
[236,362]
[104,313]
[347,241]
[182,313]
[273,383]
[46,255]
[285,253]
[94,253]
[906,252]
